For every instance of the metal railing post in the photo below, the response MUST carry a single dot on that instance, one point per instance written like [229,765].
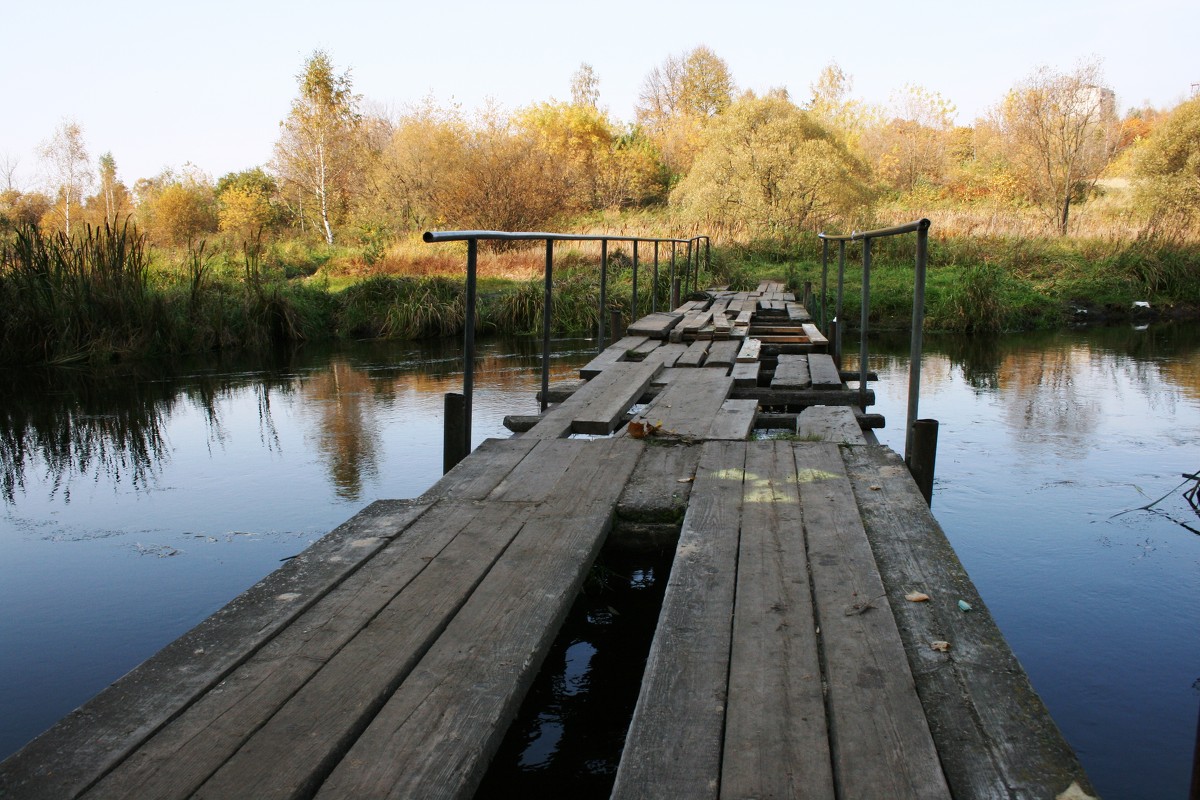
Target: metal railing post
[654,288]
[918,330]
[469,344]
[603,291]
[633,303]
[864,324]
[547,312]
[837,342]
[824,280]
[674,305]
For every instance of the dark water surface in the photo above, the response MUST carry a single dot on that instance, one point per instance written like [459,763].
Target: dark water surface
[133,507]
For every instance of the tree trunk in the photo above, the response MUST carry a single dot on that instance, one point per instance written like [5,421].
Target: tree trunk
[1066,210]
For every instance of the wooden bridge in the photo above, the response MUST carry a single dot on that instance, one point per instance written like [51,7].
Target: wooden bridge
[812,642]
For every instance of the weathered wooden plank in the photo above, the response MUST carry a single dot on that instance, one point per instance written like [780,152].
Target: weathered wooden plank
[184,754]
[803,397]
[824,372]
[473,478]
[645,348]
[734,420]
[745,316]
[687,406]
[797,313]
[657,325]
[616,352]
[599,405]
[880,742]
[311,731]
[435,736]
[660,486]
[695,321]
[994,736]
[561,390]
[694,356]
[836,424]
[791,372]
[91,740]
[746,374]
[749,351]
[666,355]
[722,354]
[776,741]
[673,748]
[814,334]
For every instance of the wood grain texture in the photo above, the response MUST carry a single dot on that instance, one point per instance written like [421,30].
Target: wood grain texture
[734,420]
[879,740]
[824,372]
[722,355]
[436,735]
[657,325]
[776,744]
[995,738]
[673,749]
[616,352]
[695,354]
[599,405]
[687,406]
[791,372]
[836,424]
[746,374]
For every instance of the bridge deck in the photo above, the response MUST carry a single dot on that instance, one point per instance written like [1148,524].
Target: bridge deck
[389,659]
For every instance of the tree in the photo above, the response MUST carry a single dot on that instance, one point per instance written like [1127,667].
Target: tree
[769,165]
[679,98]
[177,209]
[1060,132]
[315,152]
[832,106]
[1167,167]
[67,159]
[911,148]
[585,87]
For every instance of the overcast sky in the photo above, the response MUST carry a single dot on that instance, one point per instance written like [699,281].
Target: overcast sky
[163,83]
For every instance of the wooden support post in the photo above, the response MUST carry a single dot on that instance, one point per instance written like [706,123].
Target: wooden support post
[835,339]
[924,453]
[614,317]
[454,439]
[674,294]
[808,295]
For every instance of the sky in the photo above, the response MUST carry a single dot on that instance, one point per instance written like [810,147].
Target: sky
[162,84]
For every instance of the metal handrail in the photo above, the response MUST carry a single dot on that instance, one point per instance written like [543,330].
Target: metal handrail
[921,228]
[472,238]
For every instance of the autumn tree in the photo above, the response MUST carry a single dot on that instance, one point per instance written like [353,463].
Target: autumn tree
[69,166]
[176,209]
[315,153]
[1167,168]
[771,166]
[832,106]
[245,203]
[585,87]
[679,98]
[911,148]
[1060,132]
[112,200]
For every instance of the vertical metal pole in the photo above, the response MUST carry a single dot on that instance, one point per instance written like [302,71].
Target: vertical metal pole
[547,312]
[707,256]
[824,282]
[469,343]
[603,291]
[674,292]
[837,340]
[654,288]
[923,435]
[452,432]
[864,324]
[687,269]
[633,313]
[918,329]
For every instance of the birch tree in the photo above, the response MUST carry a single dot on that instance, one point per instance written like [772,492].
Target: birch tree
[315,151]
[69,166]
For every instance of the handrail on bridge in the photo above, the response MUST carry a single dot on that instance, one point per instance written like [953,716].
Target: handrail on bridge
[456,450]
[921,228]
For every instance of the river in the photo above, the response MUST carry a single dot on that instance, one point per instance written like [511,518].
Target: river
[135,505]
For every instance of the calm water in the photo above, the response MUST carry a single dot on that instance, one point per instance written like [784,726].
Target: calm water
[134,507]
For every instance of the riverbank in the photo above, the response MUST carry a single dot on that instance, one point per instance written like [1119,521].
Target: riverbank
[102,297]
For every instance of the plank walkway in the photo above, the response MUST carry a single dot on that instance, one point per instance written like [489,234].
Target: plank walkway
[389,659]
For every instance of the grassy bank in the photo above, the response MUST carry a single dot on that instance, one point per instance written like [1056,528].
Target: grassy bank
[102,296]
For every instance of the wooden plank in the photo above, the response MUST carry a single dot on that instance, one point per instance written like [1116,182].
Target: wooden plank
[994,736]
[791,373]
[91,740]
[776,743]
[616,352]
[804,397]
[797,313]
[666,355]
[660,486]
[646,348]
[722,354]
[880,741]
[814,335]
[734,420]
[673,748]
[744,317]
[687,406]
[694,356]
[297,684]
[824,372]
[436,735]
[599,405]
[835,424]
[474,478]
[746,374]
[750,350]
[657,325]
[696,321]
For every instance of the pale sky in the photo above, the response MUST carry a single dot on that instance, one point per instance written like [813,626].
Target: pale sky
[163,83]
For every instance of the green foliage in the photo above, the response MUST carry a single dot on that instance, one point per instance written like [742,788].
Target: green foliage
[1169,170]
[402,308]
